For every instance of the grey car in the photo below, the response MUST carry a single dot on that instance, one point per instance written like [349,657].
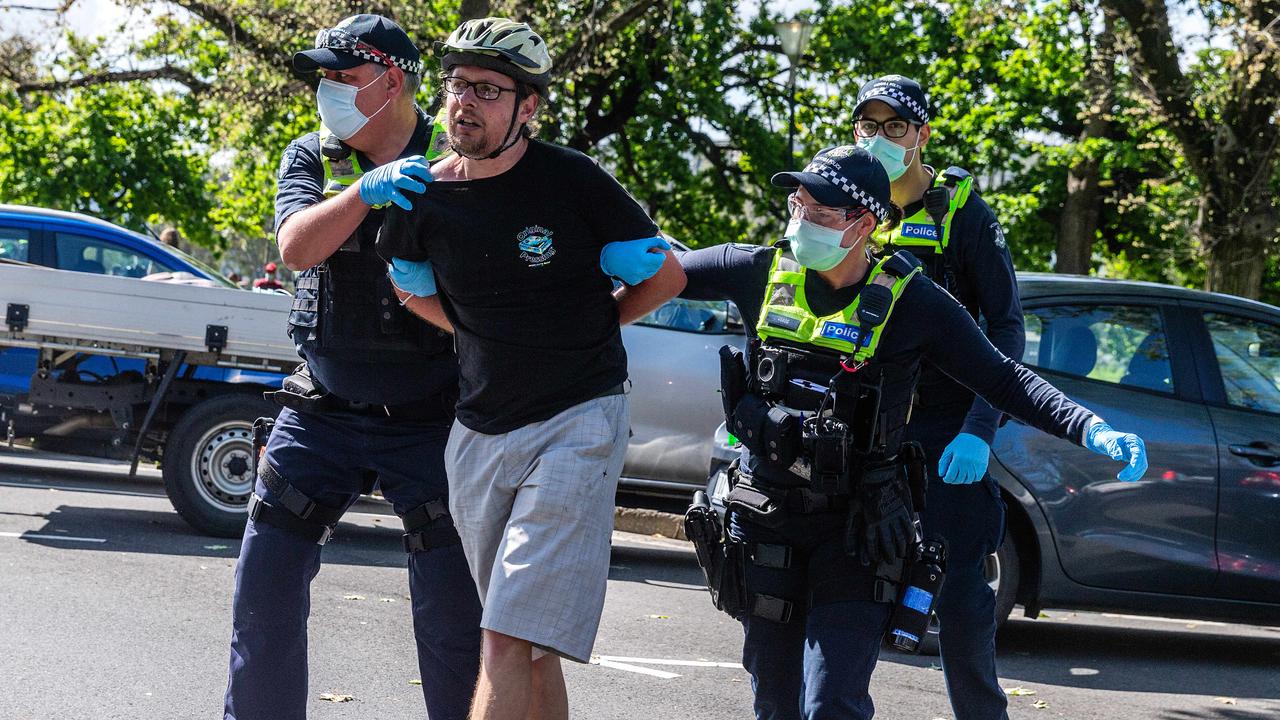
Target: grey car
[1197,375]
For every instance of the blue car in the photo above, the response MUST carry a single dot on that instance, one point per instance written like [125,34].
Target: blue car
[205,420]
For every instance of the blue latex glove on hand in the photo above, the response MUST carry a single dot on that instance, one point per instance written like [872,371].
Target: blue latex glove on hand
[413,277]
[633,261]
[965,460]
[1126,447]
[383,184]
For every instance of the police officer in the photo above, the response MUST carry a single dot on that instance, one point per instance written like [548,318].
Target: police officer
[372,403]
[822,504]
[962,248]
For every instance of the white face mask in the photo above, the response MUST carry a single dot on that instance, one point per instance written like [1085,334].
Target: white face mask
[338,111]
[814,246]
[890,154]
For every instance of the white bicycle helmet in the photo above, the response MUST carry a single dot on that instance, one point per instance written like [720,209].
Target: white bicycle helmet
[506,46]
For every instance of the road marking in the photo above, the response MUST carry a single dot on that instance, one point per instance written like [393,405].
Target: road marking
[1163,619]
[634,668]
[36,536]
[70,488]
[677,663]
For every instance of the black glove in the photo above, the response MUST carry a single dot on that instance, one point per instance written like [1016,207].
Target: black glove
[886,516]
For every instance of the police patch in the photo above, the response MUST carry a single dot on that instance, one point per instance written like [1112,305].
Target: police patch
[286,161]
[841,331]
[923,231]
[998,235]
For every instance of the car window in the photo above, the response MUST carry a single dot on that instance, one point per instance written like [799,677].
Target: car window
[1248,353]
[715,317]
[103,257]
[1115,344]
[15,244]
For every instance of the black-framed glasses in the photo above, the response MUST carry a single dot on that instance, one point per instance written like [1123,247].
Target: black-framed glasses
[821,214]
[893,128]
[485,91]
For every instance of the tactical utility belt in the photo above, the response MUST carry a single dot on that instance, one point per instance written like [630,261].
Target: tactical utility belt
[301,393]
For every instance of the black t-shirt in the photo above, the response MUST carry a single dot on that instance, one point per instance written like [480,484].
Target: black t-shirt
[979,256]
[927,324]
[365,377]
[517,261]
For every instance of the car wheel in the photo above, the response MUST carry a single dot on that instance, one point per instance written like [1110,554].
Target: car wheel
[1002,575]
[208,463]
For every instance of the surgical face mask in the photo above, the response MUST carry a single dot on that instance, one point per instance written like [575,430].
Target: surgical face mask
[815,247]
[338,111]
[890,154]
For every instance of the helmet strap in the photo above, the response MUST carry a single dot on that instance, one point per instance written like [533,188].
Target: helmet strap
[511,126]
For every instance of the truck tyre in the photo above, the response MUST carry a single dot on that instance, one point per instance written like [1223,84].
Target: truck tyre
[208,462]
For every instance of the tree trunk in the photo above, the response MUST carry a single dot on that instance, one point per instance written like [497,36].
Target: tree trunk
[1237,240]
[1080,211]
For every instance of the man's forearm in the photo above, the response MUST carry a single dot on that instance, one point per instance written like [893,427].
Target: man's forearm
[636,301]
[427,308]
[308,237]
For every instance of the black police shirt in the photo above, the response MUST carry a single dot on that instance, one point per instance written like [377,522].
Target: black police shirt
[927,324]
[366,378]
[517,258]
[988,287]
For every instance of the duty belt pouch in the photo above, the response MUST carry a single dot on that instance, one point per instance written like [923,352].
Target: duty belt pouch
[261,432]
[858,405]
[913,462]
[829,446]
[781,437]
[733,380]
[759,506]
[300,392]
[747,423]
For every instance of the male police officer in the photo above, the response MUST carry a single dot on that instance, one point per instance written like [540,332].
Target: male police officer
[822,498]
[374,401]
[962,248]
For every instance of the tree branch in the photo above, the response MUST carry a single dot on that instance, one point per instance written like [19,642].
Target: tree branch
[168,72]
[572,56]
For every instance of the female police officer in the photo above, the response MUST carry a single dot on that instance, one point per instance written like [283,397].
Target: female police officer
[821,504]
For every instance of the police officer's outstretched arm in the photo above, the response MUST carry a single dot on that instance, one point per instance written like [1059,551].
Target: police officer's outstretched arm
[964,353]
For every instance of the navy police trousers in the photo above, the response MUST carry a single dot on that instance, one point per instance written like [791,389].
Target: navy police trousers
[332,459]
[817,664]
[970,518]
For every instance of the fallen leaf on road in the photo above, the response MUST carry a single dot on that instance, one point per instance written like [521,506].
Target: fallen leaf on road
[336,698]
[935,666]
[1226,700]
[1043,616]
[215,547]
[1019,691]
[735,679]
[352,597]
[386,599]
[1039,704]
[415,682]
[659,617]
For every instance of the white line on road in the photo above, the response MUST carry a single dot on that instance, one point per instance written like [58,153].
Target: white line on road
[1152,618]
[634,668]
[678,663]
[36,536]
[70,488]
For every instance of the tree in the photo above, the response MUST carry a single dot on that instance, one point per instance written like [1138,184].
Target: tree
[1228,134]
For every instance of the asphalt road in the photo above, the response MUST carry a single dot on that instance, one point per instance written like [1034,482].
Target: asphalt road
[111,607]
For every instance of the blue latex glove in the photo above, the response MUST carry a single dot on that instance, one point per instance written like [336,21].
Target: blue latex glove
[413,276]
[965,460]
[1127,447]
[633,261]
[382,185]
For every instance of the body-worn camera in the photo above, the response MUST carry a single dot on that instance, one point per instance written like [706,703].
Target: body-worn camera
[771,371]
[828,441]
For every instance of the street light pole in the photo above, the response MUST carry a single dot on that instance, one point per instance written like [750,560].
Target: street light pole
[795,40]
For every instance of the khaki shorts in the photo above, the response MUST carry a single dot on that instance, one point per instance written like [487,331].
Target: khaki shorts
[534,508]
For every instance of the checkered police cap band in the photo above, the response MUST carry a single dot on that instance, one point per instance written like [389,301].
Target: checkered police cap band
[831,172]
[890,90]
[337,39]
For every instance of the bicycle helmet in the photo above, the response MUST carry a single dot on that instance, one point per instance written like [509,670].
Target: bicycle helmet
[506,46]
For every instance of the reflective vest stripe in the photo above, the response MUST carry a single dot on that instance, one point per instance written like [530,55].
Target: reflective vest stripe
[920,222]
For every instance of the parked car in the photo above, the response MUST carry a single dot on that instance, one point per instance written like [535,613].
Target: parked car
[81,243]
[1197,375]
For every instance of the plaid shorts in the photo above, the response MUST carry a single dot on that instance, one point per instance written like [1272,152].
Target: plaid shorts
[534,508]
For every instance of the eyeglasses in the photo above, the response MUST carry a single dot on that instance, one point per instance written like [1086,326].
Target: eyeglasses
[893,128]
[823,215]
[484,91]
